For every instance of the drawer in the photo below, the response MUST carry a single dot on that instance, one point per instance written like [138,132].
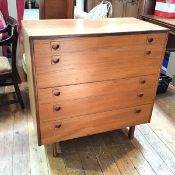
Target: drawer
[73,60]
[95,57]
[81,60]
[42,47]
[52,95]
[124,67]
[60,130]
[76,107]
[79,53]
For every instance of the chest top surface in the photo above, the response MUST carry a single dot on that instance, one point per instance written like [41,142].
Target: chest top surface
[80,27]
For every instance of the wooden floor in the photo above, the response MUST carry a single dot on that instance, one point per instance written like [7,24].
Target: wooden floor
[151,152]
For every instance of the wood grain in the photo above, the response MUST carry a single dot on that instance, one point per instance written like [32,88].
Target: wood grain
[53,9]
[56,94]
[94,123]
[89,161]
[71,108]
[87,43]
[6,142]
[159,147]
[103,155]
[99,72]
[140,151]
[86,71]
[96,59]
[148,152]
[75,53]
[119,155]
[130,151]
[79,27]
[21,144]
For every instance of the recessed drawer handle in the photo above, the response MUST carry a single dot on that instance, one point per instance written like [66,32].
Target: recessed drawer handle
[55,60]
[55,46]
[140,94]
[137,111]
[57,108]
[148,52]
[143,81]
[57,126]
[150,40]
[56,92]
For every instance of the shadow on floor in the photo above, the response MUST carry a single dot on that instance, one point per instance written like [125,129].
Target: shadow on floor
[95,153]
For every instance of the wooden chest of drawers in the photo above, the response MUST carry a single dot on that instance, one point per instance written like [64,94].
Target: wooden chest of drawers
[87,77]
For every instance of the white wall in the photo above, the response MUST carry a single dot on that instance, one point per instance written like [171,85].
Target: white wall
[80,4]
[171,65]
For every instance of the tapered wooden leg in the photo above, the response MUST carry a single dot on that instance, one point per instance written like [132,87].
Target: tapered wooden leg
[56,149]
[131,132]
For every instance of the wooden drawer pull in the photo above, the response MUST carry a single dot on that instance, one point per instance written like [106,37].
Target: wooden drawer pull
[148,52]
[57,108]
[150,40]
[55,59]
[56,92]
[143,81]
[57,126]
[140,94]
[137,111]
[55,46]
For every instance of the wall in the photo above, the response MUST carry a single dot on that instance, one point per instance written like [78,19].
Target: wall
[80,4]
[171,65]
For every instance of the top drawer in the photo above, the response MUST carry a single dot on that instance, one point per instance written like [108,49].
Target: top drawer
[44,47]
[67,61]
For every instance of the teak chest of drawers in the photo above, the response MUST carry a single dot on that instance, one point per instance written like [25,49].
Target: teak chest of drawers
[87,77]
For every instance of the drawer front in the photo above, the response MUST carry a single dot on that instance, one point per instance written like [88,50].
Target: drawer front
[81,60]
[60,130]
[76,107]
[52,95]
[95,57]
[43,47]
[99,72]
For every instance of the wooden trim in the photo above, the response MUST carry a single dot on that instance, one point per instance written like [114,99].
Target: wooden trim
[98,35]
[70,9]
[107,27]
[131,132]
[69,6]
[41,9]
[158,22]
[163,52]
[56,149]
[35,93]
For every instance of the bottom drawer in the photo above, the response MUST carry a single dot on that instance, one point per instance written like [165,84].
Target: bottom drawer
[75,127]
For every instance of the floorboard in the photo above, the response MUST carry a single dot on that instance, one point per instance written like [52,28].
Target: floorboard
[21,153]
[6,142]
[103,155]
